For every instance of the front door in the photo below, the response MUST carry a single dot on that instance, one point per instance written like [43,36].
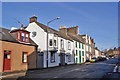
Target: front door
[62,58]
[7,61]
[40,60]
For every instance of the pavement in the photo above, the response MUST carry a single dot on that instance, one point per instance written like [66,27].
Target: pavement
[99,70]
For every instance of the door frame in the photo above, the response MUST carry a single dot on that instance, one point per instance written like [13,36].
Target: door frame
[4,59]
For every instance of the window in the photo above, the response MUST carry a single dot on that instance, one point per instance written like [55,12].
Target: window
[83,60]
[76,44]
[82,46]
[52,57]
[69,58]
[50,43]
[24,57]
[76,60]
[79,45]
[55,43]
[23,36]
[76,53]
[26,37]
[69,45]
[62,44]
[18,35]
[33,34]
[82,53]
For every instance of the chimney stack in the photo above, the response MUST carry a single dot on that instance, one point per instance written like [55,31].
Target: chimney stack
[33,19]
[63,29]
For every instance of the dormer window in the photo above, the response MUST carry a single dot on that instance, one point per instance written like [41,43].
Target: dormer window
[22,37]
[26,37]
[21,34]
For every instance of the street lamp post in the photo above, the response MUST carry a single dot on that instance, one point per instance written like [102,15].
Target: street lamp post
[47,37]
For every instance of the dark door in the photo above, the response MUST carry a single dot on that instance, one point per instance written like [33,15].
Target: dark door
[62,58]
[7,61]
[80,56]
[40,60]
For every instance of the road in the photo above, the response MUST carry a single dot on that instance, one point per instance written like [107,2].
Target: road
[93,70]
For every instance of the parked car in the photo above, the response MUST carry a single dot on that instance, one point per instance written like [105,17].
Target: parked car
[100,59]
[104,58]
[108,58]
[94,59]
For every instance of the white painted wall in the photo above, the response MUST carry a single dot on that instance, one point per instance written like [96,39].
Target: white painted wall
[41,40]
[96,53]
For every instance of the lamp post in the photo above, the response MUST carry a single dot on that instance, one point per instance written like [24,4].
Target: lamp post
[47,37]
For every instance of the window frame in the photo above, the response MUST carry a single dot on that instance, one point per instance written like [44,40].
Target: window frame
[76,44]
[69,58]
[69,45]
[62,44]
[50,42]
[82,53]
[51,60]
[19,36]
[79,45]
[23,57]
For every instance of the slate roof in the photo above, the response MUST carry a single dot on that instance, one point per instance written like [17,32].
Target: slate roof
[77,38]
[6,36]
[53,31]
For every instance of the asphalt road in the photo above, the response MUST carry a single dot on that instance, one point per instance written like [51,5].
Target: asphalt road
[92,70]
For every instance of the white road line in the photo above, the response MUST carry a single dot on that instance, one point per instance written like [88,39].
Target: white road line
[115,69]
[119,69]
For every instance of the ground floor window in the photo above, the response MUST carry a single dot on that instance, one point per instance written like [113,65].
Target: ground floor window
[24,57]
[76,60]
[69,58]
[52,57]
[83,59]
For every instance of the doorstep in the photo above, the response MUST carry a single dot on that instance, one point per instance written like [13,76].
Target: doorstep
[14,73]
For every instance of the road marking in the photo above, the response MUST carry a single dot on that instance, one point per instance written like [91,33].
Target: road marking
[115,69]
[11,75]
[119,68]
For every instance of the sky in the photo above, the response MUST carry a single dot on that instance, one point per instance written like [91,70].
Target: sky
[98,19]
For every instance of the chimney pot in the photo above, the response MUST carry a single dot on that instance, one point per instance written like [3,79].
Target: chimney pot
[21,25]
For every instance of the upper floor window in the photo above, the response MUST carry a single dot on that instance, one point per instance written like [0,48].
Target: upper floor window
[50,42]
[82,46]
[79,45]
[18,35]
[26,37]
[76,44]
[82,53]
[69,45]
[55,43]
[62,44]
[22,37]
